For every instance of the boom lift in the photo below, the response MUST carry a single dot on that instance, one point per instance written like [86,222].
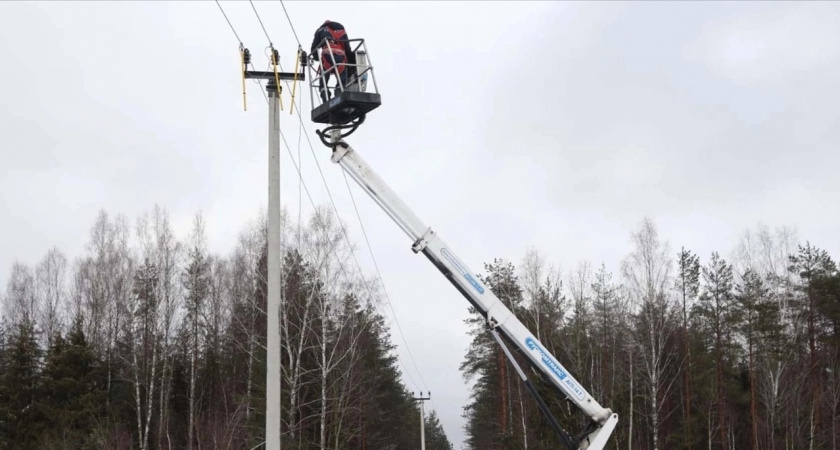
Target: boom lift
[347,111]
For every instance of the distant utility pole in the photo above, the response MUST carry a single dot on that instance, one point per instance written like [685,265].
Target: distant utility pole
[275,257]
[421,399]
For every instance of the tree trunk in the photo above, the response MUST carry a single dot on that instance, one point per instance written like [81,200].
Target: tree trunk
[630,419]
[719,375]
[654,404]
[251,345]
[193,363]
[164,400]
[753,413]
[137,398]
[295,369]
[500,360]
[522,413]
[687,372]
[814,413]
[711,429]
[150,395]
[323,437]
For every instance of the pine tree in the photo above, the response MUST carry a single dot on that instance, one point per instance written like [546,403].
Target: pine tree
[72,395]
[6,413]
[688,286]
[388,413]
[605,310]
[754,307]
[435,436]
[815,269]
[490,412]
[21,380]
[716,309]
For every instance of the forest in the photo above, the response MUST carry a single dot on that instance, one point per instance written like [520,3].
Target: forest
[735,351]
[150,341]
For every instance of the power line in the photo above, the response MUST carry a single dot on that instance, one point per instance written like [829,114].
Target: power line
[290,22]
[329,193]
[228,22]
[300,183]
[379,274]
[347,238]
[261,22]
[342,269]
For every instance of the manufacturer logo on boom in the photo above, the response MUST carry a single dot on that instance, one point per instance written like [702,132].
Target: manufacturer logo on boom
[462,270]
[554,367]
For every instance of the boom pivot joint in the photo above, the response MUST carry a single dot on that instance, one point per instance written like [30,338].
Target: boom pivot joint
[422,241]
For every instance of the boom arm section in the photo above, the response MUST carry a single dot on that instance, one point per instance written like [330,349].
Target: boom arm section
[499,317]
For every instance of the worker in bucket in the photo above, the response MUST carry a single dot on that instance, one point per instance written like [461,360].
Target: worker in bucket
[336,55]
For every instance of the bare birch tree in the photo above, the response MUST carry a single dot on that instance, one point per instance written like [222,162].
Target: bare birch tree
[249,250]
[647,273]
[579,282]
[140,329]
[50,276]
[546,307]
[767,252]
[326,240]
[108,273]
[21,296]
[167,253]
[302,287]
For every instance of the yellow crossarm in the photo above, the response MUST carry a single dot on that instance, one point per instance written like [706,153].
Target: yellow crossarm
[242,60]
[294,81]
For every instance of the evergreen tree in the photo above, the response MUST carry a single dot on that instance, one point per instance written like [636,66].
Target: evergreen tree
[196,282]
[164,367]
[22,420]
[757,313]
[435,437]
[147,362]
[72,395]
[688,287]
[490,414]
[816,286]
[716,309]
[605,310]
[6,413]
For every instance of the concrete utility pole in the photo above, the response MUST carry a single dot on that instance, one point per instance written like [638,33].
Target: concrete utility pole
[272,388]
[274,294]
[421,399]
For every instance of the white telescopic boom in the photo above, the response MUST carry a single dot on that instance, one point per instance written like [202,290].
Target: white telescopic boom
[496,313]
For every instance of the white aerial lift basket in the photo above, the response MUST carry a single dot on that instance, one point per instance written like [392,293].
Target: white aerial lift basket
[353,100]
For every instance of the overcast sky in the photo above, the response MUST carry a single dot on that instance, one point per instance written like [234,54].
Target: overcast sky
[505,125]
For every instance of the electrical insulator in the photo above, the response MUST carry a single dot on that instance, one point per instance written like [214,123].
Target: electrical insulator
[247,58]
[276,56]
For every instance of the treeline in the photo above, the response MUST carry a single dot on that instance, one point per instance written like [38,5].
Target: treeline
[736,352]
[148,341]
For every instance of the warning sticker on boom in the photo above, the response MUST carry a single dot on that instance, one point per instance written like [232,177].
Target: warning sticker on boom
[451,258]
[555,368]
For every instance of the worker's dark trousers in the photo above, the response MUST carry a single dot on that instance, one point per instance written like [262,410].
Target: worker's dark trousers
[327,68]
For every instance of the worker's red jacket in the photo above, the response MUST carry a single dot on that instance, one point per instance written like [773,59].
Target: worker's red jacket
[338,42]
